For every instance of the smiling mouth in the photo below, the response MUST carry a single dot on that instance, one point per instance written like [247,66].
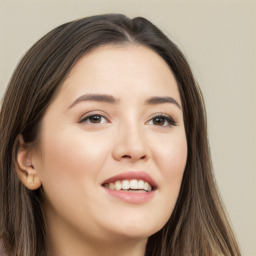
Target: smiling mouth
[134,185]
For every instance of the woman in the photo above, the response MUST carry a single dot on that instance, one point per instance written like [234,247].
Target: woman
[104,148]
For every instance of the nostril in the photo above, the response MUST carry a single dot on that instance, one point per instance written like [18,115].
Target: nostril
[130,157]
[127,156]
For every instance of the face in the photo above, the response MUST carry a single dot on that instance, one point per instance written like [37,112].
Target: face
[113,148]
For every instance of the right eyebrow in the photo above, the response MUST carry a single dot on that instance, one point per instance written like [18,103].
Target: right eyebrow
[161,100]
[94,97]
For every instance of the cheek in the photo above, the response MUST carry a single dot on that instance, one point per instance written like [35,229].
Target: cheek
[170,158]
[70,167]
[72,157]
[171,155]
[75,145]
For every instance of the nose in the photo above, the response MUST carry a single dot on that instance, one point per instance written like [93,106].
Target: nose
[130,144]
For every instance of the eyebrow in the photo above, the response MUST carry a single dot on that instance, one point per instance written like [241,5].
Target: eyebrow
[110,99]
[162,100]
[94,97]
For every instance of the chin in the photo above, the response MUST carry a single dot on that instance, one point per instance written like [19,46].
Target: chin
[134,229]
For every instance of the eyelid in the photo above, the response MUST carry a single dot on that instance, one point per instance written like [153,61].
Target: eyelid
[94,113]
[167,117]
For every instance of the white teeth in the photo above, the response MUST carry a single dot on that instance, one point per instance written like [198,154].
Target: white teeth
[118,185]
[141,184]
[133,184]
[146,186]
[129,184]
[125,184]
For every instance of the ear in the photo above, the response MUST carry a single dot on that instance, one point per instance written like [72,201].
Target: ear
[25,168]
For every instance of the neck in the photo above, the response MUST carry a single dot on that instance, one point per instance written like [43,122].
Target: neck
[81,247]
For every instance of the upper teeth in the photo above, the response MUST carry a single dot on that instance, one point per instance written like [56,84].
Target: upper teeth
[129,184]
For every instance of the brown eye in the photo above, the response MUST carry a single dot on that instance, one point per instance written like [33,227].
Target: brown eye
[94,119]
[159,121]
[162,120]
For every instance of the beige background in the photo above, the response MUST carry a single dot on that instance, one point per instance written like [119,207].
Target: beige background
[219,39]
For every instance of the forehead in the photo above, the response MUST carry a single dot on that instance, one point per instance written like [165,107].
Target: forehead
[120,68]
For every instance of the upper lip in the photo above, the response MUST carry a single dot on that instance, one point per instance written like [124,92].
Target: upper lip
[132,176]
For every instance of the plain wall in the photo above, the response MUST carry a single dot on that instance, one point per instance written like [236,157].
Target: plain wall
[219,40]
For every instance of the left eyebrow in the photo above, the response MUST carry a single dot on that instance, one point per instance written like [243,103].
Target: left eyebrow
[162,100]
[94,97]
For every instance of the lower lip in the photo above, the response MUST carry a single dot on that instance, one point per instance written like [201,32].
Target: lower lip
[131,197]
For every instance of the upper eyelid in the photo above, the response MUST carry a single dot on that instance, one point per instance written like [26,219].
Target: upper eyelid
[94,113]
[172,120]
[162,115]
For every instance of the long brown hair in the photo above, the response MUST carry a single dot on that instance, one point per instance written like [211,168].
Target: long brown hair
[198,224]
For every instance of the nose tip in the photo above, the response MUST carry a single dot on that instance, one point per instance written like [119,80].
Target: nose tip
[130,147]
[122,153]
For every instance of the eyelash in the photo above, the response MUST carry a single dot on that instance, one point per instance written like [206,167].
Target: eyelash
[86,119]
[168,120]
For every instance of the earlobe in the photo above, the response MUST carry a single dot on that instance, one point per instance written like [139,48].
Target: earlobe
[25,168]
